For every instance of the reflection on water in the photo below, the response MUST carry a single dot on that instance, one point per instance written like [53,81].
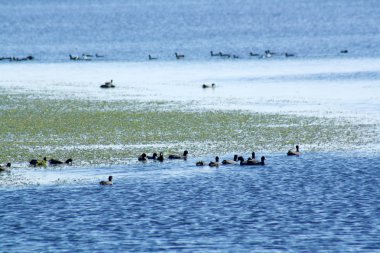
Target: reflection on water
[307,203]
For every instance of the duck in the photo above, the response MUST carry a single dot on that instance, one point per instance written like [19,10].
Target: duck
[224,55]
[179,56]
[212,54]
[74,57]
[253,158]
[216,163]
[109,182]
[87,55]
[234,161]
[108,85]
[5,167]
[253,54]
[58,162]
[200,163]
[184,156]
[253,162]
[345,51]
[160,157]
[142,158]
[292,152]
[152,58]
[153,157]
[289,55]
[204,86]
[242,161]
[36,162]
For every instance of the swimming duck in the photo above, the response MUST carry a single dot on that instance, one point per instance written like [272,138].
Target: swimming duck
[224,55]
[58,162]
[253,158]
[152,58]
[5,167]
[184,156]
[289,55]
[109,182]
[231,161]
[251,162]
[204,86]
[161,157]
[292,152]
[154,156]
[200,163]
[179,56]
[108,85]
[242,161]
[74,57]
[216,163]
[253,54]
[36,162]
[212,54]
[142,158]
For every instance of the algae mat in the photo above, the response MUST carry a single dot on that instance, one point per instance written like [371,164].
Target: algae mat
[98,132]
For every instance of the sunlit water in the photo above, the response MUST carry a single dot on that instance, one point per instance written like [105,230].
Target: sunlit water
[316,202]
[324,87]
[130,30]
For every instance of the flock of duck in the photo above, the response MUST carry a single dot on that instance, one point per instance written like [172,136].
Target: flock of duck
[40,163]
[27,58]
[178,56]
[251,161]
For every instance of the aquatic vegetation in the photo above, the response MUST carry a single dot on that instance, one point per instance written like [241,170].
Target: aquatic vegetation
[93,132]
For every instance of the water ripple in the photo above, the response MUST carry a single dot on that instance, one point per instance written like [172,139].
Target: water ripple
[310,203]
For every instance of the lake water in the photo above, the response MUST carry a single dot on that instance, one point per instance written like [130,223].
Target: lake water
[326,200]
[130,30]
[316,202]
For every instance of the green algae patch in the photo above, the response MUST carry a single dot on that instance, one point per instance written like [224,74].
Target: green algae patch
[98,132]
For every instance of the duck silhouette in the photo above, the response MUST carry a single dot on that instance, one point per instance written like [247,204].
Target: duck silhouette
[253,162]
[36,162]
[109,182]
[216,163]
[108,85]
[234,161]
[292,152]
[161,157]
[142,158]
[5,167]
[58,162]
[184,156]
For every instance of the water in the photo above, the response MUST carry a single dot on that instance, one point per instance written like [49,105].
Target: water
[316,202]
[326,200]
[130,30]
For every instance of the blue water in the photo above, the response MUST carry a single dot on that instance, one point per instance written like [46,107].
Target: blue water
[318,202]
[130,30]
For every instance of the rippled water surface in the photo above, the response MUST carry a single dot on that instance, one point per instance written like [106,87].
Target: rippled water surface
[130,30]
[325,99]
[316,202]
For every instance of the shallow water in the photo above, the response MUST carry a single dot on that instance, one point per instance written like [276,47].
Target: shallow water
[324,87]
[315,202]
